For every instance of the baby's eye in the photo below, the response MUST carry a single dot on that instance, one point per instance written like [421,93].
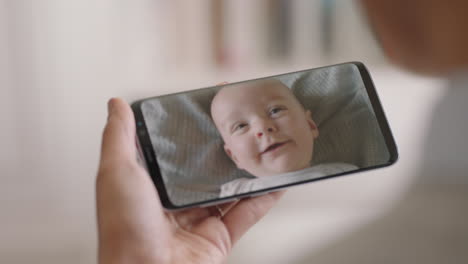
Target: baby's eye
[276,110]
[239,126]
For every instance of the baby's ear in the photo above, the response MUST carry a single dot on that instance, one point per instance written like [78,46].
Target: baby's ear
[312,125]
[231,156]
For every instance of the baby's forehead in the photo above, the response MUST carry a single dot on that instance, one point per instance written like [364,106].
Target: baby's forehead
[241,96]
[273,89]
[246,94]
[264,88]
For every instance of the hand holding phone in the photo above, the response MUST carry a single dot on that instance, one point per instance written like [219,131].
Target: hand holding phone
[222,143]
[134,227]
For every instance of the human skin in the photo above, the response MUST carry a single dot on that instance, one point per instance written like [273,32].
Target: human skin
[424,36]
[132,225]
[266,131]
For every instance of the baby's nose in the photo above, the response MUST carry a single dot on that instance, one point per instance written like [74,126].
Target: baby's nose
[269,129]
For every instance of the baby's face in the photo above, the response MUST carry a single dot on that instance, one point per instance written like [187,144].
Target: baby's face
[265,129]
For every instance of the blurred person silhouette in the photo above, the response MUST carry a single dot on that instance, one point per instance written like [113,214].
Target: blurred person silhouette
[429,225]
[430,222]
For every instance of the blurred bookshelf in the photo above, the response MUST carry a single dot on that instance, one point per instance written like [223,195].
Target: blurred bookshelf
[239,39]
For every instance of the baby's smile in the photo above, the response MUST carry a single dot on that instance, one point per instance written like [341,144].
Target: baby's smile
[275,147]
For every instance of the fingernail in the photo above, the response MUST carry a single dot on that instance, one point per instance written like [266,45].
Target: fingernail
[110,107]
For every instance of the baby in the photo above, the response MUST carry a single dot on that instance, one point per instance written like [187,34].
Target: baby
[266,132]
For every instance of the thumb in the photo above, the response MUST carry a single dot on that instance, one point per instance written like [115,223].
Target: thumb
[118,142]
[128,210]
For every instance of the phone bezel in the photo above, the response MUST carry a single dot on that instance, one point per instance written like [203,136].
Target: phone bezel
[149,155]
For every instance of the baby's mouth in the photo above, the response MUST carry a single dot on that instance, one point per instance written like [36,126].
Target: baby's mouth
[274,146]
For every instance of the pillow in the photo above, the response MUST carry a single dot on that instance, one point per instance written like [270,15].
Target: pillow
[190,150]
[341,108]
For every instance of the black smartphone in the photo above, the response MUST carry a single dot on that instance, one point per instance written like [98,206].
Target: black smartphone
[222,143]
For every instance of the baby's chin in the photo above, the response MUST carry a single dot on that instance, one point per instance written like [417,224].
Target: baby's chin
[281,164]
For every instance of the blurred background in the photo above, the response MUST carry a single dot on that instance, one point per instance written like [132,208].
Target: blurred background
[60,61]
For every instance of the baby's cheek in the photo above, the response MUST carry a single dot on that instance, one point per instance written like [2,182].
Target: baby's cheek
[285,120]
[250,151]
[293,124]
[237,148]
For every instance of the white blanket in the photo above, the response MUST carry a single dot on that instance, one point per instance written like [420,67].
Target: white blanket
[245,185]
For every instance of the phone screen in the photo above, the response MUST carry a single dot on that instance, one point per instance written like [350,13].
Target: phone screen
[219,143]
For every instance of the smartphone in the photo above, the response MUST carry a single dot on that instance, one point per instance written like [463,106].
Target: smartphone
[226,142]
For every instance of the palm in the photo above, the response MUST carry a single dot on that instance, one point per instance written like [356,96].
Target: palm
[200,236]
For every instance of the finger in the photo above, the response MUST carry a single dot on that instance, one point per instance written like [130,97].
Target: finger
[186,219]
[129,213]
[194,216]
[222,209]
[246,213]
[128,208]
[118,142]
